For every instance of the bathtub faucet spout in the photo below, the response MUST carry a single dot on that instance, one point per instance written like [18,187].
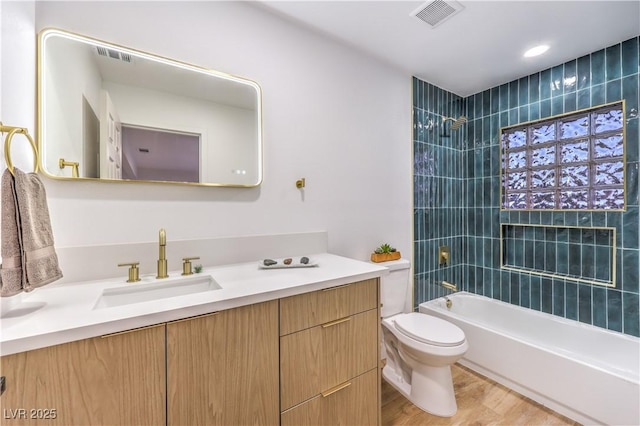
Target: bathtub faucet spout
[449,286]
[448,302]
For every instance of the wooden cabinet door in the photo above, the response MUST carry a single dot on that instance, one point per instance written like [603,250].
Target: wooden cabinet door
[223,367]
[118,379]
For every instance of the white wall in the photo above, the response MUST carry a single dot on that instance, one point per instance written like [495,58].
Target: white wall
[18,76]
[332,115]
[78,76]
[227,134]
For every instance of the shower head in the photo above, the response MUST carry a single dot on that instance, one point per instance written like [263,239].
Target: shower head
[457,122]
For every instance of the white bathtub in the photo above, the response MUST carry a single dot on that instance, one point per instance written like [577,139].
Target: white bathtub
[586,373]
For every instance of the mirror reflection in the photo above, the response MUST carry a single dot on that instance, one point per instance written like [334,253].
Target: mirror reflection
[112,113]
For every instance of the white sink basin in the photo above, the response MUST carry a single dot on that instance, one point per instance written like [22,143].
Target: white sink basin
[160,289]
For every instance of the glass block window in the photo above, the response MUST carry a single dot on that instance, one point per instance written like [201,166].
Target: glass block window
[572,162]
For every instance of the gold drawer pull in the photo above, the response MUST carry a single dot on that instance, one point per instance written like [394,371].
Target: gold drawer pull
[335,288]
[196,317]
[336,322]
[335,389]
[119,333]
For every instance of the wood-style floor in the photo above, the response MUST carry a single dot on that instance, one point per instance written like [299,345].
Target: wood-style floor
[481,401]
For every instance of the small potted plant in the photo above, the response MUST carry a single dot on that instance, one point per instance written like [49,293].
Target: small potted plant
[385,253]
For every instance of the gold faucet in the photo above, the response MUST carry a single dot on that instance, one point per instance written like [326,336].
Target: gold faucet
[162,261]
[450,286]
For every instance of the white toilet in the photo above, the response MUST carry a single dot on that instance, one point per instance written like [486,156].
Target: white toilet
[419,348]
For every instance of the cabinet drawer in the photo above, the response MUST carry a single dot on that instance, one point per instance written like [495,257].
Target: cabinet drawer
[318,307]
[319,358]
[354,402]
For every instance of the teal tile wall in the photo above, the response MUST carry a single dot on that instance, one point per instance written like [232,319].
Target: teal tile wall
[557,250]
[468,162]
[438,189]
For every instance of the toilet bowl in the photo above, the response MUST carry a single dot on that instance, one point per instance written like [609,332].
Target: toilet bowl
[420,351]
[419,348]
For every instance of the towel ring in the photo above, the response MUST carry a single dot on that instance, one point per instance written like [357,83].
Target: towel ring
[7,146]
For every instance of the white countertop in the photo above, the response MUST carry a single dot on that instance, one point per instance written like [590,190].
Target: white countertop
[64,313]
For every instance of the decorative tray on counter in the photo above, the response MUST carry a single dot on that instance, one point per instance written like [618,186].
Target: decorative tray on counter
[296,262]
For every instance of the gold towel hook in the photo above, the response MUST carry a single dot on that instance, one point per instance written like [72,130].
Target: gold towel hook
[7,145]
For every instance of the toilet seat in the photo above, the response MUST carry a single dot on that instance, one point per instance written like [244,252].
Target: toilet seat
[429,329]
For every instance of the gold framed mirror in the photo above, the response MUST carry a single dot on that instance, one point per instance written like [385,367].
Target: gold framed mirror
[116,114]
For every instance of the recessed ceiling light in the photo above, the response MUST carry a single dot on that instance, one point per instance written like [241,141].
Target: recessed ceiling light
[535,51]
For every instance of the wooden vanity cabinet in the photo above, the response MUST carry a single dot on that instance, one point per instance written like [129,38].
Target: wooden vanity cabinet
[222,368]
[113,379]
[329,352]
[300,360]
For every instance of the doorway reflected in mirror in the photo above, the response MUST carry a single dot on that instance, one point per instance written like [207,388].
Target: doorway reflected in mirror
[160,155]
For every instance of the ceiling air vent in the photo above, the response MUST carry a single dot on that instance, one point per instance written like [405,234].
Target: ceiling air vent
[436,12]
[114,54]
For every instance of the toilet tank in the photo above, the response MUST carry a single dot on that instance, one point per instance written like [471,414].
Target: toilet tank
[395,288]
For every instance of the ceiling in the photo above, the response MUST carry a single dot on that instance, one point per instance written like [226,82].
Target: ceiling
[480,47]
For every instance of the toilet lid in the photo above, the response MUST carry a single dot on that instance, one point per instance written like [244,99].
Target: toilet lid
[429,329]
